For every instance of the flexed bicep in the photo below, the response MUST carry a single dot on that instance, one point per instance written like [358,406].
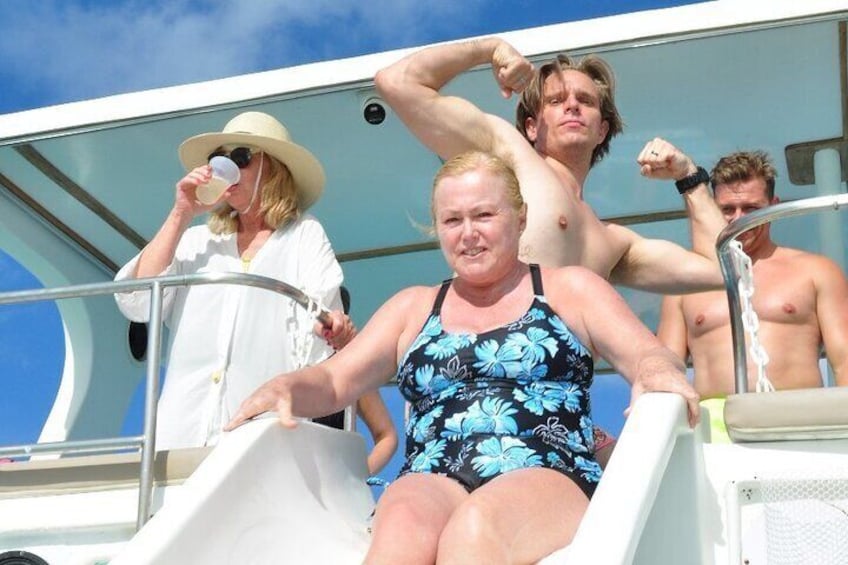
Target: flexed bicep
[448,125]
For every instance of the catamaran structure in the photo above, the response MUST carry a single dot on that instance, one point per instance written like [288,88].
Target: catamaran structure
[83,186]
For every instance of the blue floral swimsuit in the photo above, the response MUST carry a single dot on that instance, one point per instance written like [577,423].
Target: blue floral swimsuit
[509,398]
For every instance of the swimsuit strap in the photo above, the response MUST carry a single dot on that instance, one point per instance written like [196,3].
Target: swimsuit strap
[437,304]
[536,276]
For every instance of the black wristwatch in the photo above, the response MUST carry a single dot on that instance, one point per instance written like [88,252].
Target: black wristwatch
[700,176]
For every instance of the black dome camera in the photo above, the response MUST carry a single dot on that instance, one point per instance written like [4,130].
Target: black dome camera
[374,111]
[19,557]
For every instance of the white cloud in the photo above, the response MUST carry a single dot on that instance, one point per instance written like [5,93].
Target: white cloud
[68,50]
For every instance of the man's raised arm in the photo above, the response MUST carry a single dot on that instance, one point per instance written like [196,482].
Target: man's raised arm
[660,159]
[449,125]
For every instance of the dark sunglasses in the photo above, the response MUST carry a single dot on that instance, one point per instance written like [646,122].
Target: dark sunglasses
[241,156]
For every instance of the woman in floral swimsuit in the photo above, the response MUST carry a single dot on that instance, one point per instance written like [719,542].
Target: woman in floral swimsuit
[499,458]
[509,398]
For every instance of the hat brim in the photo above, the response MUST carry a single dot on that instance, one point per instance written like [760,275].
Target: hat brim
[307,172]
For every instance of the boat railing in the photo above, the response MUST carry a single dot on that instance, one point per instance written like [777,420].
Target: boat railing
[732,275]
[146,442]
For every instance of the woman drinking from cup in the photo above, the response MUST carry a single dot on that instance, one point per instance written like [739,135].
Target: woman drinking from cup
[226,339]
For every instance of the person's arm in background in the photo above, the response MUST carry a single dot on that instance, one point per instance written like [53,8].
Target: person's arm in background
[832,312]
[375,414]
[608,326]
[661,266]
[450,125]
[370,406]
[671,330]
[660,159]
[658,265]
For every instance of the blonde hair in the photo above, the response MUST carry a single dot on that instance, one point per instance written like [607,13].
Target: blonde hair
[479,160]
[278,202]
[530,103]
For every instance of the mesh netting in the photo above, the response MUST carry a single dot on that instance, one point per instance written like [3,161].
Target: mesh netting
[806,520]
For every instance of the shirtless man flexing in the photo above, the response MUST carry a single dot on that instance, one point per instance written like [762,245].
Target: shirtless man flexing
[567,116]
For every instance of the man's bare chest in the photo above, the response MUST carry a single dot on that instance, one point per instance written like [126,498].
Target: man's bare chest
[777,300]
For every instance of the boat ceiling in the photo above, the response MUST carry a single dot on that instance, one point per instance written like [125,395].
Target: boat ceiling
[712,78]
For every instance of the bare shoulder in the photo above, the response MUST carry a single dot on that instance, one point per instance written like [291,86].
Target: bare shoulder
[512,147]
[403,314]
[407,312]
[574,280]
[621,232]
[826,271]
[536,173]
[818,266]
[412,299]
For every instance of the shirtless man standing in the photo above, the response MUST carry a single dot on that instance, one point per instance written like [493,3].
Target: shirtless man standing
[567,114]
[801,299]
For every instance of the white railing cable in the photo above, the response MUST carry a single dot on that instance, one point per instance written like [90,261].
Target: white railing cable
[750,320]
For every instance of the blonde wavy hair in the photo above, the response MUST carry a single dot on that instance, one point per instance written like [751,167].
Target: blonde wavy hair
[278,202]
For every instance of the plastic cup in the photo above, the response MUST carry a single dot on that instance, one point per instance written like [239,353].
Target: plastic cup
[225,173]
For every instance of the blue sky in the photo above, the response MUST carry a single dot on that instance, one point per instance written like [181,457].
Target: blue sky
[57,51]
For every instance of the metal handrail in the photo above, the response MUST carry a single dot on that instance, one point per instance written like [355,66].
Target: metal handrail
[731,276]
[156,285]
[117,287]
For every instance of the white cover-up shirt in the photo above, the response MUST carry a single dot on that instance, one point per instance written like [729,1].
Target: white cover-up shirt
[226,340]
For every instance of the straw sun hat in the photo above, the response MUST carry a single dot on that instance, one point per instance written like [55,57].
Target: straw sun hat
[260,131]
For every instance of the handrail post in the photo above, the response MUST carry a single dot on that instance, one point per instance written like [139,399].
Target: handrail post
[148,448]
[350,418]
[737,329]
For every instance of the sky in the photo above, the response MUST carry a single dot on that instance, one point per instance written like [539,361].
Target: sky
[58,51]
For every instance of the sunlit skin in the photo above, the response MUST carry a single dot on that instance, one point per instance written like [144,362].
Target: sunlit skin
[739,198]
[562,229]
[477,226]
[569,125]
[801,300]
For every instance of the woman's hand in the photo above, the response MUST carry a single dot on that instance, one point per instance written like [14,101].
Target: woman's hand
[339,332]
[275,394]
[186,200]
[659,374]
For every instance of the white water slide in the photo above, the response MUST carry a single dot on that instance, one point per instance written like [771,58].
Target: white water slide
[270,495]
